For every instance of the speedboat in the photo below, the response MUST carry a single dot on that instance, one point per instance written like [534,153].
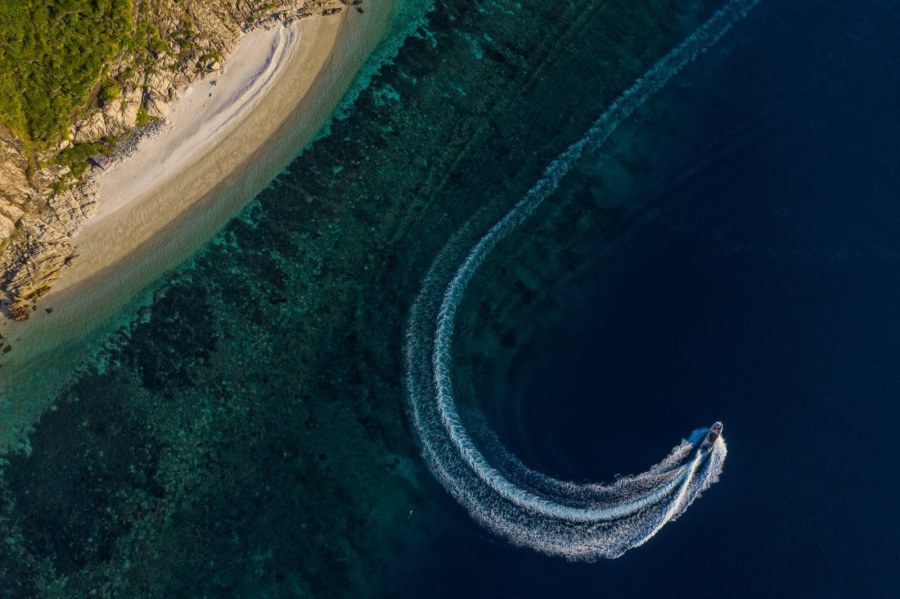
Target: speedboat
[715,431]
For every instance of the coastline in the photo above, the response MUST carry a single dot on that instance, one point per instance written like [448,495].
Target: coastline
[138,237]
[206,111]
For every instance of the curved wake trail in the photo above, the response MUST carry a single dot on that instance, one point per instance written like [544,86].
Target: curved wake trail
[576,521]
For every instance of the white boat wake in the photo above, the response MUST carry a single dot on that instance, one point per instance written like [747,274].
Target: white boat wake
[577,521]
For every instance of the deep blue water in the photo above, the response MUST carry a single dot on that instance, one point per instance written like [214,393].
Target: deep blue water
[760,287]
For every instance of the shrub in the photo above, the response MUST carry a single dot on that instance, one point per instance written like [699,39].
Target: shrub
[110,92]
[51,54]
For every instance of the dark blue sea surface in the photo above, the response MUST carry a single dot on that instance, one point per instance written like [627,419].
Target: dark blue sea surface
[730,254]
[753,277]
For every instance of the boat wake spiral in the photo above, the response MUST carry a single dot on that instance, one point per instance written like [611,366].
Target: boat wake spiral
[576,521]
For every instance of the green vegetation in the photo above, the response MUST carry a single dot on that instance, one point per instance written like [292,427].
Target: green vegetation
[143,118]
[212,55]
[52,52]
[59,186]
[186,33]
[147,37]
[110,92]
[146,43]
[76,157]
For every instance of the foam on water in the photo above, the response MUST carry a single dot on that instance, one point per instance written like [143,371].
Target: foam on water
[576,521]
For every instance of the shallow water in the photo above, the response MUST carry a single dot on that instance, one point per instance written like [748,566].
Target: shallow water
[728,255]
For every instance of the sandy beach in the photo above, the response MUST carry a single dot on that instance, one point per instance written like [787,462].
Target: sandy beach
[205,112]
[223,141]
[211,130]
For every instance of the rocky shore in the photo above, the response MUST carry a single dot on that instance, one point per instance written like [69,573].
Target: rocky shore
[45,200]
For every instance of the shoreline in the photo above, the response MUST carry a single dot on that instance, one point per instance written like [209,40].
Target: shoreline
[132,242]
[194,150]
[207,109]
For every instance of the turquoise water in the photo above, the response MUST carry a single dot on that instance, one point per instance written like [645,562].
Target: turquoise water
[247,434]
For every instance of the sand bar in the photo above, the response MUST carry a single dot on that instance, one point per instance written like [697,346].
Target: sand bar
[181,187]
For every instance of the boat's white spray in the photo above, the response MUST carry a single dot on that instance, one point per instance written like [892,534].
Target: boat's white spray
[577,521]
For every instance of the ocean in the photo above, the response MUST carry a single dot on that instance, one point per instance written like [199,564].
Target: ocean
[747,274]
[729,253]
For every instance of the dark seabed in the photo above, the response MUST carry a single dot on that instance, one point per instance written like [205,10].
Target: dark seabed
[731,254]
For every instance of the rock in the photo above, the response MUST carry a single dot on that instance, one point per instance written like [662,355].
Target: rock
[157,106]
[157,81]
[36,224]
[129,114]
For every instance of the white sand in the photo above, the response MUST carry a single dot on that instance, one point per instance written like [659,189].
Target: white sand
[163,203]
[133,203]
[206,110]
